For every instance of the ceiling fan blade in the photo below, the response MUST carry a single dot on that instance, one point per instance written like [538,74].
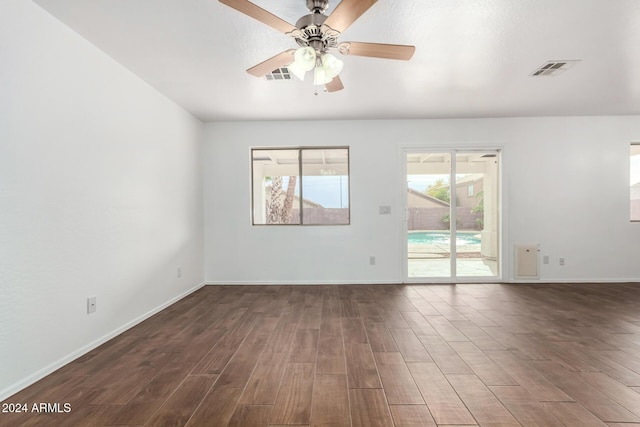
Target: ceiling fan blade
[334,85]
[346,13]
[377,50]
[280,60]
[260,14]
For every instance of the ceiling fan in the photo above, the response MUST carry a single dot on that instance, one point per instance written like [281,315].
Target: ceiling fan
[317,33]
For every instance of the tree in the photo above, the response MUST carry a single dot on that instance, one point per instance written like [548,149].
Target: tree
[479,209]
[280,205]
[439,190]
[288,199]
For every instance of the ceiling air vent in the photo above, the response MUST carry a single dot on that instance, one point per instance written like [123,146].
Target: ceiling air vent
[553,68]
[279,74]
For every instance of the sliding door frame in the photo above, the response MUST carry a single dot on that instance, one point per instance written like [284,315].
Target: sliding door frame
[404,151]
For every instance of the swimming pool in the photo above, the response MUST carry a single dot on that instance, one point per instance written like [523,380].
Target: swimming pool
[443,238]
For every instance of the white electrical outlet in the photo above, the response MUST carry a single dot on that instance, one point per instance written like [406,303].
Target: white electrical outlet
[179,272]
[91,305]
[561,261]
[372,260]
[384,210]
[545,259]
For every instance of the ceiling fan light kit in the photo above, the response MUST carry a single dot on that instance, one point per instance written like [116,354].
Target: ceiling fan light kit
[325,67]
[317,33]
[297,70]
[320,77]
[332,65]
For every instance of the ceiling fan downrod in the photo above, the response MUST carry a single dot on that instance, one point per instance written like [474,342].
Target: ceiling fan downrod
[317,6]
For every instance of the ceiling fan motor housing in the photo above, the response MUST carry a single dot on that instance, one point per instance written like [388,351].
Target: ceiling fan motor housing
[311,31]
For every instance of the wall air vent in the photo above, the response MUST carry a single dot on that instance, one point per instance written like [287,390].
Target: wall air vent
[553,68]
[279,74]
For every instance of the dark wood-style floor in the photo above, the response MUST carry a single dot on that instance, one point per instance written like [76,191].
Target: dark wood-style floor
[367,356]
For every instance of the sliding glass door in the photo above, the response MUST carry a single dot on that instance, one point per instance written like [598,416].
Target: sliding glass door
[452,215]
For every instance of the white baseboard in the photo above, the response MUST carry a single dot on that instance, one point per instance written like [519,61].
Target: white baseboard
[387,282]
[37,376]
[560,281]
[300,283]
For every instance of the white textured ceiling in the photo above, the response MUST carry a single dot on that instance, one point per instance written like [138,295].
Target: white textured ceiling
[473,57]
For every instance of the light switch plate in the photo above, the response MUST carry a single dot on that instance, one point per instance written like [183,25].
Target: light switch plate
[385,210]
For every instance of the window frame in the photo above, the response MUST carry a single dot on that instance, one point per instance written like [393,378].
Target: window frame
[300,206]
[636,144]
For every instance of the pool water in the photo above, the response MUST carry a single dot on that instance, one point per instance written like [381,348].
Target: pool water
[443,238]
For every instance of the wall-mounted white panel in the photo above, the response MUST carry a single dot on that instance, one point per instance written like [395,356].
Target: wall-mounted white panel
[525,263]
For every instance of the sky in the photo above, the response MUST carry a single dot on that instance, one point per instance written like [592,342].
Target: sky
[421,182]
[329,191]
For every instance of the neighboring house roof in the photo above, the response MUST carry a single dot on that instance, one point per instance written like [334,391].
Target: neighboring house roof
[469,179]
[309,203]
[427,197]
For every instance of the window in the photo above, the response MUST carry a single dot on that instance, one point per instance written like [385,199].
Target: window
[300,186]
[470,192]
[634,182]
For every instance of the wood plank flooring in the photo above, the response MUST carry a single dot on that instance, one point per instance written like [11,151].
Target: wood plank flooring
[362,355]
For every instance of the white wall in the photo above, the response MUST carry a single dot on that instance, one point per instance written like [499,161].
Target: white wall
[565,187]
[100,195]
